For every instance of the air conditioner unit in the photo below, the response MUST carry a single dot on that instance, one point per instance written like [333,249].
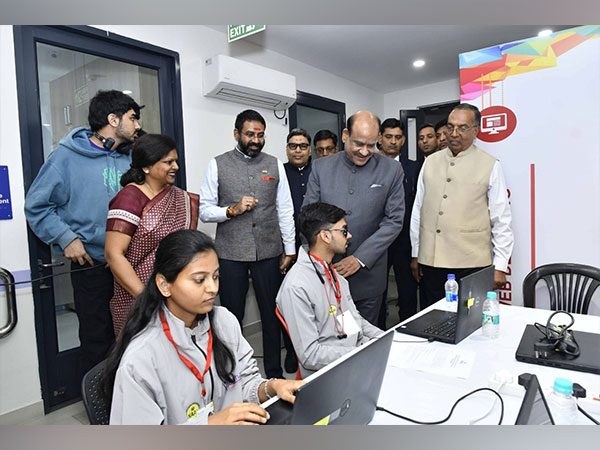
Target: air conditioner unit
[243,82]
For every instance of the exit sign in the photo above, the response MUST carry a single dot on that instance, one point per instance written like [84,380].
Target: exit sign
[235,32]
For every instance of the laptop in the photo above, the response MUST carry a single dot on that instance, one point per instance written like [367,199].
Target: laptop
[587,361]
[453,327]
[345,393]
[534,409]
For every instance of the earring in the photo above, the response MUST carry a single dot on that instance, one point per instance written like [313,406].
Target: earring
[146,171]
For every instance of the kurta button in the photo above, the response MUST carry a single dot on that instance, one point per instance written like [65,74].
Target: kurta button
[448,180]
[253,225]
[452,164]
[438,231]
[351,191]
[348,213]
[251,177]
[444,196]
[353,170]
[302,184]
[441,213]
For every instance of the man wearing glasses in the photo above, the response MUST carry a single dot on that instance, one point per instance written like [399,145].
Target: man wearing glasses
[325,143]
[246,193]
[297,170]
[369,187]
[461,218]
[315,300]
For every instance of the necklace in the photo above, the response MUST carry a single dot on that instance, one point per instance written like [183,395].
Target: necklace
[151,190]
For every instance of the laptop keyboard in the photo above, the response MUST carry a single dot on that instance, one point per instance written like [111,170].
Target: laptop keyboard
[445,327]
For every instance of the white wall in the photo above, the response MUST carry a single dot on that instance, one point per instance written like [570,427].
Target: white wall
[208,130]
[444,91]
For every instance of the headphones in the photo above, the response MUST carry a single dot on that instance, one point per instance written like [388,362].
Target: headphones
[107,143]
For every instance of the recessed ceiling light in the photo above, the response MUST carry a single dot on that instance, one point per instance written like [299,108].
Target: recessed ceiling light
[545,33]
[127,92]
[419,63]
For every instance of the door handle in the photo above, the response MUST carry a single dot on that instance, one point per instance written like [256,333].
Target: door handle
[42,265]
[11,300]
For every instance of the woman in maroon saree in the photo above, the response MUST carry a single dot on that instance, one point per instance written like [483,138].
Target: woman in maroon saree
[147,209]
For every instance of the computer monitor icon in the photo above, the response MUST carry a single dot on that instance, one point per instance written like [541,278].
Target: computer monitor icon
[494,123]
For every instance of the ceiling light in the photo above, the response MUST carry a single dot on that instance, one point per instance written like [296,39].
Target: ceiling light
[545,33]
[419,63]
[127,92]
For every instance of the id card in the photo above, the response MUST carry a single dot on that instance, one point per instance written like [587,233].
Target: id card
[351,328]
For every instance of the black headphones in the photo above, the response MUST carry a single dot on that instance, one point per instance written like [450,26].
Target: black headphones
[107,143]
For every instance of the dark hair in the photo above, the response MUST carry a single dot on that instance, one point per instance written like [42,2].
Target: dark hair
[325,134]
[147,150]
[351,119]
[426,125]
[473,109]
[440,124]
[109,102]
[247,116]
[391,123]
[317,216]
[298,132]
[174,253]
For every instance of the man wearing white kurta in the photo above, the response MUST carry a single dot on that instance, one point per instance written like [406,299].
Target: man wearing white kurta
[315,300]
[461,218]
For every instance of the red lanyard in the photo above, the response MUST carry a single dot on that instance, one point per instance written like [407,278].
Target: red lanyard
[336,291]
[186,361]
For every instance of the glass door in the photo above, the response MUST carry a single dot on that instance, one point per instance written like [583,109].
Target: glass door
[59,69]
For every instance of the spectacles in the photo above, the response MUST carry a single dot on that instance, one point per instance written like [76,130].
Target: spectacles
[328,149]
[461,129]
[344,230]
[293,146]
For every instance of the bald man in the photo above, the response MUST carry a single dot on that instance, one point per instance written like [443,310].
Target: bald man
[369,187]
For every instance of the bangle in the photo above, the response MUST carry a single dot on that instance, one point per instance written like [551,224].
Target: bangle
[269,396]
[229,212]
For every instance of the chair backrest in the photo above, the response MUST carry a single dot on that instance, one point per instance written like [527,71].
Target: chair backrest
[284,323]
[571,286]
[95,405]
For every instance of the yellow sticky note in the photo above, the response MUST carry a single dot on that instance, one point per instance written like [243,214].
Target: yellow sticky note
[323,421]
[470,302]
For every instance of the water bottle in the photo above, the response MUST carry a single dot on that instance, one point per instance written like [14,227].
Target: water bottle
[563,405]
[490,324]
[451,288]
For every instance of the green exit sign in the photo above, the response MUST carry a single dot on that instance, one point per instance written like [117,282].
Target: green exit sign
[235,32]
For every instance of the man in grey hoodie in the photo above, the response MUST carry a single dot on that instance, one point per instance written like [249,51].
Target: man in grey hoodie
[67,205]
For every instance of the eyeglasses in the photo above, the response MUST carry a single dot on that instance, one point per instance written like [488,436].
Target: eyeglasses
[328,149]
[344,230]
[293,146]
[462,129]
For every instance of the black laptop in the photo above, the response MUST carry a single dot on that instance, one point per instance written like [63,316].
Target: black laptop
[453,327]
[343,394]
[587,361]
[534,409]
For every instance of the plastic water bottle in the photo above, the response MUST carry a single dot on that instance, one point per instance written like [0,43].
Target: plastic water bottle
[451,288]
[490,325]
[563,405]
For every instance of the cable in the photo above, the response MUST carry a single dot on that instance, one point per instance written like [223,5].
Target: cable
[35,280]
[277,117]
[582,411]
[560,337]
[491,408]
[380,408]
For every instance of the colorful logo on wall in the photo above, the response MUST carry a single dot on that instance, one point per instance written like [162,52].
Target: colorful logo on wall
[497,123]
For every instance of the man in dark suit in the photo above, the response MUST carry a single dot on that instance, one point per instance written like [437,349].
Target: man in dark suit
[369,187]
[391,140]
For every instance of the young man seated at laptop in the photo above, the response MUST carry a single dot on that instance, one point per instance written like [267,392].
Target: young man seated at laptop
[314,300]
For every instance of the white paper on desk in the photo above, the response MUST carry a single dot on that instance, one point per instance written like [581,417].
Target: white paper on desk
[443,361]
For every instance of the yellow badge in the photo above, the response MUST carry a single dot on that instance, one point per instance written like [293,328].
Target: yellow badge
[264,171]
[332,310]
[192,410]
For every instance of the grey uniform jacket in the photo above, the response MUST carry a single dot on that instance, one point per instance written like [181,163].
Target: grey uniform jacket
[373,198]
[153,386]
[304,306]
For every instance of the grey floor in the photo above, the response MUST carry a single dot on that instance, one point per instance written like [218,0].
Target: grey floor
[75,414]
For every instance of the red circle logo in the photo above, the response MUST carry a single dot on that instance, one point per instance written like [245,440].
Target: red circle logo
[497,123]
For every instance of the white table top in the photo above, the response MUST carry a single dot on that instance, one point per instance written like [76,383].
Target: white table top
[429,397]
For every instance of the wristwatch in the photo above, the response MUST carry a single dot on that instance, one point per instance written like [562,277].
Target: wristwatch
[229,212]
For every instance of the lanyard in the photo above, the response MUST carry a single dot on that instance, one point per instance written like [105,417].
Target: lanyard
[336,291]
[186,361]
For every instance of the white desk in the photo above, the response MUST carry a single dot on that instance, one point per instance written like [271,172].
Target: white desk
[428,397]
